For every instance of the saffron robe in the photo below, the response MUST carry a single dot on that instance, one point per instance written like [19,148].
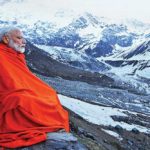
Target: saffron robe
[29,108]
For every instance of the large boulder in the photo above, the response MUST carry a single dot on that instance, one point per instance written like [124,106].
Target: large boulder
[57,141]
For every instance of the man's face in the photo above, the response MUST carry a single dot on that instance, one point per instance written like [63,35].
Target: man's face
[16,41]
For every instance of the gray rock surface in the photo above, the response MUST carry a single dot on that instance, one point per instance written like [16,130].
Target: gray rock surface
[61,137]
[57,141]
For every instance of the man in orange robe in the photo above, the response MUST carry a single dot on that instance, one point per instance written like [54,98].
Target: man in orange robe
[29,108]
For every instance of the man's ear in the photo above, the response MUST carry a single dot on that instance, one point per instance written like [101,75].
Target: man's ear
[5,39]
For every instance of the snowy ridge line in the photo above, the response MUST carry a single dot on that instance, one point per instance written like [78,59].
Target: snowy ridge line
[96,103]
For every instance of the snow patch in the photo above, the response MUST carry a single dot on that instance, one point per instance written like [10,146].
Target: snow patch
[113,134]
[98,114]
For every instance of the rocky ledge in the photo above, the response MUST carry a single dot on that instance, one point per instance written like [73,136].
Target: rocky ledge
[57,141]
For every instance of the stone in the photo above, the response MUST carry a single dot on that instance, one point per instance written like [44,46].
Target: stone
[135,130]
[57,141]
[118,128]
[64,136]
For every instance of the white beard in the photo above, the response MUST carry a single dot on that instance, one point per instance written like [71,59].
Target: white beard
[16,46]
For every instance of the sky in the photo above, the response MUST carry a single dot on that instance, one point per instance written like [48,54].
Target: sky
[115,9]
[138,9]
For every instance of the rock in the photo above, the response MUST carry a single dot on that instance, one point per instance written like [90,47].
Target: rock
[89,135]
[105,141]
[57,141]
[61,137]
[136,131]
[118,128]
[80,130]
[130,142]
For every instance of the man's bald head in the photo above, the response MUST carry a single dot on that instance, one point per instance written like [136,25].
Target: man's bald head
[13,37]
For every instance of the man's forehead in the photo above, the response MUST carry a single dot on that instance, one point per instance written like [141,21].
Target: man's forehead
[17,32]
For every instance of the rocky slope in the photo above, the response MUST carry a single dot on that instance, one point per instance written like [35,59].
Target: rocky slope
[42,63]
[56,141]
[99,137]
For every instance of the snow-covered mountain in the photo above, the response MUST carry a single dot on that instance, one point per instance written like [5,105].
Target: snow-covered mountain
[87,41]
[75,58]
[112,61]
[141,52]
[86,33]
[134,62]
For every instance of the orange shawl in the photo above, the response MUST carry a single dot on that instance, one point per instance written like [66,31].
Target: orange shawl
[29,108]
